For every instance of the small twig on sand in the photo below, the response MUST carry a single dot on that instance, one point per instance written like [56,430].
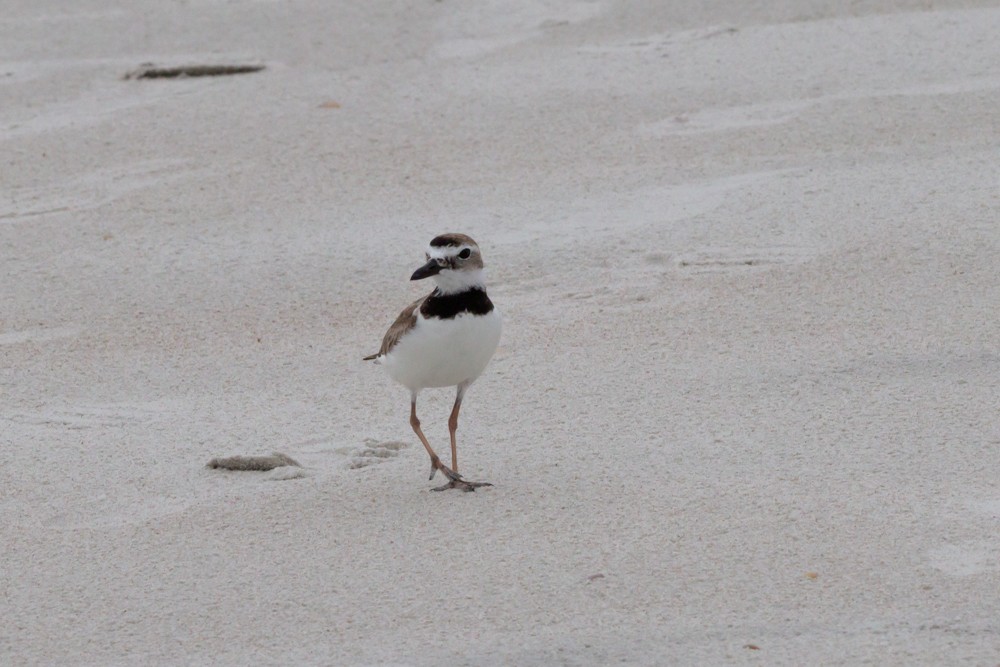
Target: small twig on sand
[150,71]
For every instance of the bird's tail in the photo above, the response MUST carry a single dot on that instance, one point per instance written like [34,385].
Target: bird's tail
[370,357]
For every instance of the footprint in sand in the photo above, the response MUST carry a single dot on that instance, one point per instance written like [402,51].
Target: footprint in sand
[965,559]
[370,452]
[374,452]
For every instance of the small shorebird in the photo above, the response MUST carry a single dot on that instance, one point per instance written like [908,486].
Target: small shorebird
[444,339]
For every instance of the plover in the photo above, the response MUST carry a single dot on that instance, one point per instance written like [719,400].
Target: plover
[444,339]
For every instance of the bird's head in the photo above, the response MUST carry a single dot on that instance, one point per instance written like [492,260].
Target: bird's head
[455,263]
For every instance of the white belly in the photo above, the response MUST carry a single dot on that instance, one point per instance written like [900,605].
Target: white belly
[444,353]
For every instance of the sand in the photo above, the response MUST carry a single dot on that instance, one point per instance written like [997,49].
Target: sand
[745,409]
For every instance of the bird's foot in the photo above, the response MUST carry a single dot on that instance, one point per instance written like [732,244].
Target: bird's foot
[455,481]
[462,484]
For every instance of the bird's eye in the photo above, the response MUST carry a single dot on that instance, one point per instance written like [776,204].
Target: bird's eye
[465,254]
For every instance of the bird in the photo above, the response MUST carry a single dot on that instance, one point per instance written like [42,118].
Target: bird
[444,339]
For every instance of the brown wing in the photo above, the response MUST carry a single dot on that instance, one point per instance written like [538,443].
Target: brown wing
[406,321]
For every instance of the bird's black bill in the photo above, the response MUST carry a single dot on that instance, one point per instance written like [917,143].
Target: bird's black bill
[431,268]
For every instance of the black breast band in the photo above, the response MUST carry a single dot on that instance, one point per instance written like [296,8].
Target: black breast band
[447,306]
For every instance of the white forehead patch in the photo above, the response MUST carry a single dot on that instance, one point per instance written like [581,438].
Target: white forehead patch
[444,252]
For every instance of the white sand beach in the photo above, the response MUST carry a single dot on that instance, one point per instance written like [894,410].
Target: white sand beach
[746,406]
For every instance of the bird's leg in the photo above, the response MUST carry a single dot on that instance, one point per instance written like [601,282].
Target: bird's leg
[435,461]
[452,428]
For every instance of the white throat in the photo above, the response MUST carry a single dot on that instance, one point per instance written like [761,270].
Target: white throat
[453,282]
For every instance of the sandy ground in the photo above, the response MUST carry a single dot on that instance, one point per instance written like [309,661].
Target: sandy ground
[745,410]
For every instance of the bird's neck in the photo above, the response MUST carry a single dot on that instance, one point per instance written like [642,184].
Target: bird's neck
[455,282]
